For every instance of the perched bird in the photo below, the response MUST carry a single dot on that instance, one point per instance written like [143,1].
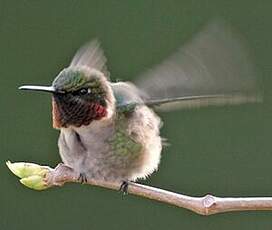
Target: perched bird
[109,131]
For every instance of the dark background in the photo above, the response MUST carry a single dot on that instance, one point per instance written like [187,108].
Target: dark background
[224,151]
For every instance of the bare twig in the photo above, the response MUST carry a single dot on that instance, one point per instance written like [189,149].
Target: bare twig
[206,205]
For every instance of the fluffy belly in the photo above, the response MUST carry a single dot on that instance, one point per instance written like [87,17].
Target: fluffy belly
[106,152]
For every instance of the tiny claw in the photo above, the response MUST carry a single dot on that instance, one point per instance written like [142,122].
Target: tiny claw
[124,187]
[82,178]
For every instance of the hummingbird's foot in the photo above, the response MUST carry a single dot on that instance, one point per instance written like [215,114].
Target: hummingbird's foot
[124,187]
[82,178]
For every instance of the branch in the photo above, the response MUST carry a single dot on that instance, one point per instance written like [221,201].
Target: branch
[43,177]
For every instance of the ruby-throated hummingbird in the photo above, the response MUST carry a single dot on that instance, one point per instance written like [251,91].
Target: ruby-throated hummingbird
[109,131]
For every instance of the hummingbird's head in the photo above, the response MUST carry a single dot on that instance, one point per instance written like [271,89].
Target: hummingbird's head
[80,96]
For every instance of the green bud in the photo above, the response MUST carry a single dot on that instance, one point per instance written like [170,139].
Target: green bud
[34,182]
[32,175]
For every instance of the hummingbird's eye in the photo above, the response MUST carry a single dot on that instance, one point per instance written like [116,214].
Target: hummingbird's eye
[84,91]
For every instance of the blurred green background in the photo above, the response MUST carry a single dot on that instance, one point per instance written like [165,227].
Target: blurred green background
[225,151]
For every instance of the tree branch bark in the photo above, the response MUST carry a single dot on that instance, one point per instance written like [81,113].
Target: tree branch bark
[206,205]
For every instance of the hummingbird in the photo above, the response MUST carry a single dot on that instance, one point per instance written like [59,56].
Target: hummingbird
[111,131]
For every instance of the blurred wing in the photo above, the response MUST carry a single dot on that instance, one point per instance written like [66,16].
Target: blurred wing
[127,96]
[213,69]
[91,55]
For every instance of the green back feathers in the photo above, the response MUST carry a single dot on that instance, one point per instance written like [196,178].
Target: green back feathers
[122,142]
[127,98]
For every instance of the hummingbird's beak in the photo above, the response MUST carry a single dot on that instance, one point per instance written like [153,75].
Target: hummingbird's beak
[49,89]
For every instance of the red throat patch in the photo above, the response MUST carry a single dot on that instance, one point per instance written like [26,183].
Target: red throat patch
[64,116]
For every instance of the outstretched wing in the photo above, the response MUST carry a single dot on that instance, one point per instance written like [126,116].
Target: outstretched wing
[214,68]
[91,55]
